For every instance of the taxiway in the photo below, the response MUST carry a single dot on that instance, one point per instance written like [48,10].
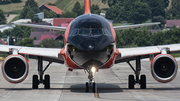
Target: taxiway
[112,85]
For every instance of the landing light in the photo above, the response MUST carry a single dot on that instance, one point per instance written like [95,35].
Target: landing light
[93,69]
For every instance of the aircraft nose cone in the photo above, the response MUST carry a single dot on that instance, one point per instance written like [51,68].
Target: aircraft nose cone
[89,45]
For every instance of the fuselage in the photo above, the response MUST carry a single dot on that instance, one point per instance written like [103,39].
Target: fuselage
[90,40]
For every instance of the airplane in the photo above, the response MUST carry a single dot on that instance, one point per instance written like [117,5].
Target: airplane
[90,45]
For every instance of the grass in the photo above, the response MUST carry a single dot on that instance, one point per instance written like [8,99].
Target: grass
[121,24]
[176,55]
[117,24]
[67,5]
[13,7]
[13,12]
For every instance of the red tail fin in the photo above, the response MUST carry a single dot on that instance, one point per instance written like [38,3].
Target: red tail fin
[87,6]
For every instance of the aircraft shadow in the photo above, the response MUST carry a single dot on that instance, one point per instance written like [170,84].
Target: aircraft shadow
[101,88]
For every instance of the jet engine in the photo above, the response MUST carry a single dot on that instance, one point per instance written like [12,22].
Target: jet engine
[164,68]
[15,68]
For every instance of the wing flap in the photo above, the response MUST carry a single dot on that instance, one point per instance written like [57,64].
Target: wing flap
[131,52]
[126,53]
[47,52]
[34,51]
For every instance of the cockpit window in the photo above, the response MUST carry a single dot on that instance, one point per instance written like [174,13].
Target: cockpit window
[84,32]
[106,32]
[74,32]
[96,31]
[90,32]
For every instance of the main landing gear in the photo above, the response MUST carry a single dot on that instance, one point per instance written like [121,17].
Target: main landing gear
[141,81]
[91,85]
[46,80]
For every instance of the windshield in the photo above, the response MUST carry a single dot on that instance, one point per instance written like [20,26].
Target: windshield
[90,32]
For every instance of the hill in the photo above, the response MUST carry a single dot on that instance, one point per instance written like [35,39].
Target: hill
[65,5]
[19,6]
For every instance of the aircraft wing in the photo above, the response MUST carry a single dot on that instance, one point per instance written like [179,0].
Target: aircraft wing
[127,54]
[43,26]
[134,26]
[48,54]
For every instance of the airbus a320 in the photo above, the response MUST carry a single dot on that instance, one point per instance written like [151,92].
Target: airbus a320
[90,45]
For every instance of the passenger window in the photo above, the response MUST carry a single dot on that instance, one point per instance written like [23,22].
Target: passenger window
[96,32]
[84,32]
[74,32]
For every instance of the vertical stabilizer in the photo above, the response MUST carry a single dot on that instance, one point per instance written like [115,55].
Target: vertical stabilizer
[87,6]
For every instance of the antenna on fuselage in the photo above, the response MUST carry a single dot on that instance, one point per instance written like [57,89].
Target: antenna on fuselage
[87,6]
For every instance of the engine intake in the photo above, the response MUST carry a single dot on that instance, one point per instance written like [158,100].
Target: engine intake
[15,68]
[164,68]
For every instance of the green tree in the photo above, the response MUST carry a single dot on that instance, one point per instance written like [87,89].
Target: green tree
[68,15]
[52,14]
[21,32]
[15,1]
[5,1]
[77,9]
[114,2]
[51,43]
[2,17]
[7,32]
[104,1]
[51,4]
[49,14]
[35,9]
[48,43]
[24,12]
[166,3]
[30,15]
[25,42]
[174,10]
[157,6]
[46,13]
[115,12]
[159,19]
[139,12]
[31,3]
[95,9]
[36,20]
[1,34]
[133,12]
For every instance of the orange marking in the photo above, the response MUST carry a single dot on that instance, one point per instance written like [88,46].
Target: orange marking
[87,6]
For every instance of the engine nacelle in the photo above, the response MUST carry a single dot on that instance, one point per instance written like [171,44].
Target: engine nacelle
[164,68]
[15,68]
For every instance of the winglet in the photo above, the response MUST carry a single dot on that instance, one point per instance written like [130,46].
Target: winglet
[87,6]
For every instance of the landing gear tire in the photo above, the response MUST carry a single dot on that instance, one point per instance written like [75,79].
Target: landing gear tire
[94,87]
[47,82]
[35,82]
[143,82]
[87,87]
[131,82]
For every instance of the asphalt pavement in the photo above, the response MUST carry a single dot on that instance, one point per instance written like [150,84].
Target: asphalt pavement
[112,85]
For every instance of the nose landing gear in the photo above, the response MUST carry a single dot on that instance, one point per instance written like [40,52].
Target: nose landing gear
[91,85]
